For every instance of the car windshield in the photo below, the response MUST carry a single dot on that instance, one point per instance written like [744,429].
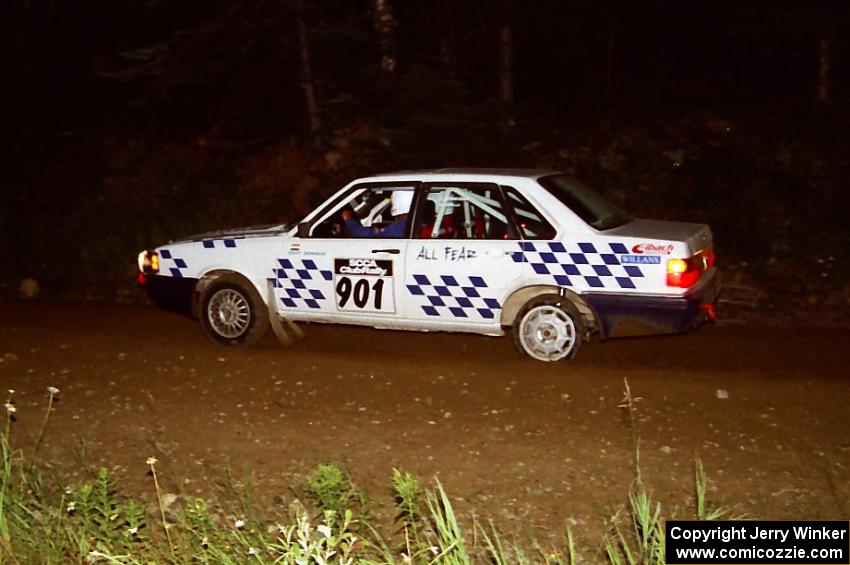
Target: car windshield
[588,204]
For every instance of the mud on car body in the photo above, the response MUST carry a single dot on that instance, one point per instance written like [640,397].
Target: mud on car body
[484,251]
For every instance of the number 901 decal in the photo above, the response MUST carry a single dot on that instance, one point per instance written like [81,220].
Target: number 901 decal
[364,285]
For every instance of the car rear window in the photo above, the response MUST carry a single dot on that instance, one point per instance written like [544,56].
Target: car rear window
[597,211]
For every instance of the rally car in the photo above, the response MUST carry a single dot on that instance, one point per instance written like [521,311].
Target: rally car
[459,250]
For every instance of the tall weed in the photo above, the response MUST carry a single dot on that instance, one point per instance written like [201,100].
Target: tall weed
[43,520]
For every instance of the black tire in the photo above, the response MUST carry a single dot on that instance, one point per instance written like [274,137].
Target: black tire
[549,328]
[232,313]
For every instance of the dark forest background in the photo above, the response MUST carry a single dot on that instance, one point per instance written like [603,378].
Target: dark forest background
[129,123]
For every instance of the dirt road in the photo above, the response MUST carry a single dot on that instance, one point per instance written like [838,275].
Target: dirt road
[531,445]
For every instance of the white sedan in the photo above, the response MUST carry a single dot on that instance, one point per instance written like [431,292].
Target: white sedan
[468,250]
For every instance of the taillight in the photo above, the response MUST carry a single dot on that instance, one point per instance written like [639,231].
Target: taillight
[681,273]
[684,273]
[676,266]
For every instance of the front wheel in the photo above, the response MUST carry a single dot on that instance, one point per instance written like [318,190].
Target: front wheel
[548,329]
[232,312]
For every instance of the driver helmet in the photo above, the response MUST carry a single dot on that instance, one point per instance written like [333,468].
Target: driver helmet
[400,202]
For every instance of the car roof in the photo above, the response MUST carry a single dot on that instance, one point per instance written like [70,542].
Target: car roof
[460,174]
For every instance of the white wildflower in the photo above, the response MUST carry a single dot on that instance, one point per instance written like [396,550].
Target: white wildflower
[239,524]
[134,530]
[152,461]
[253,551]
[71,507]
[10,408]
[304,525]
[52,390]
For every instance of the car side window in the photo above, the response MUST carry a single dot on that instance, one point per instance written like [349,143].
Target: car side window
[531,223]
[376,211]
[463,211]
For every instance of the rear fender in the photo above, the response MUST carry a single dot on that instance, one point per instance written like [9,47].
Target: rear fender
[519,298]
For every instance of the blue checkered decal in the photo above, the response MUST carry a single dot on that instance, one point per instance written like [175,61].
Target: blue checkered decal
[446,295]
[298,282]
[225,242]
[178,264]
[579,264]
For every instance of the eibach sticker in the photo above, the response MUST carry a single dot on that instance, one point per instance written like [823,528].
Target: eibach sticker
[652,249]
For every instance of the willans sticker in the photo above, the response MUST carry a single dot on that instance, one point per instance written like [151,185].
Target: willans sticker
[640,259]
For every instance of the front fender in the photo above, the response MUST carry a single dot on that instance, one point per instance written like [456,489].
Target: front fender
[211,275]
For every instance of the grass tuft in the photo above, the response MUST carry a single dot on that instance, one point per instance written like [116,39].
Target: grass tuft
[44,520]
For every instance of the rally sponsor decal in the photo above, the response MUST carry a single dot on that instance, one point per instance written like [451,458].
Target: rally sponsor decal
[374,267]
[364,285]
[640,260]
[652,248]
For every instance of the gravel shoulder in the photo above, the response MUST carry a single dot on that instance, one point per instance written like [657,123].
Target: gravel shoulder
[531,445]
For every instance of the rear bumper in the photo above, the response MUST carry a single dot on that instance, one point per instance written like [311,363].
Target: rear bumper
[171,293]
[622,315]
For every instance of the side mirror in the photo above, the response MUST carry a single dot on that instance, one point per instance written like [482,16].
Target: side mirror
[304,229]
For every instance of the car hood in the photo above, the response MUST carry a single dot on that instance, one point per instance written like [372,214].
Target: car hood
[239,233]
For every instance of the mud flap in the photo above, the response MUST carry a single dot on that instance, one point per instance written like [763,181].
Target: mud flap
[286,331]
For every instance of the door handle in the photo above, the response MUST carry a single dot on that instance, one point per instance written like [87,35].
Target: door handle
[499,253]
[392,251]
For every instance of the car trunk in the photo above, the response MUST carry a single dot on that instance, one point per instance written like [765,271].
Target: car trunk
[695,236]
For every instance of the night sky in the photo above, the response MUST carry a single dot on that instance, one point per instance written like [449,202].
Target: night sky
[131,122]
[238,61]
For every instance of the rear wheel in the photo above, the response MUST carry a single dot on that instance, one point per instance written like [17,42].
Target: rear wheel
[548,328]
[232,313]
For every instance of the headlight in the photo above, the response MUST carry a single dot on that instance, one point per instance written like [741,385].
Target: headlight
[148,262]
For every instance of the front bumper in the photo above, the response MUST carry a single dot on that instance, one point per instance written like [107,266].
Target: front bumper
[622,315]
[171,293]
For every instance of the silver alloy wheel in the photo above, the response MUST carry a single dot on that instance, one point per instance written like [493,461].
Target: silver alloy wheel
[547,333]
[229,313]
